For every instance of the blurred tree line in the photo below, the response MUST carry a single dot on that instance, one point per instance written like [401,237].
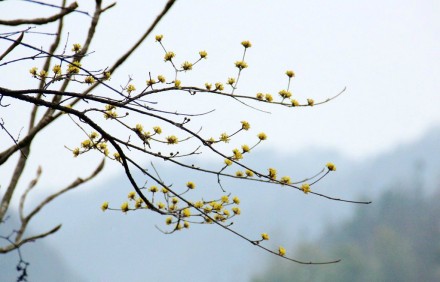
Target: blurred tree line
[395,239]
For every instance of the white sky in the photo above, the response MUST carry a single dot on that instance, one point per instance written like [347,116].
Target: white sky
[387,54]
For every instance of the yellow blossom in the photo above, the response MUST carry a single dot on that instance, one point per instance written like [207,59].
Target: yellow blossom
[331,166]
[33,71]
[159,37]
[281,251]
[224,137]
[104,206]
[56,69]
[294,103]
[169,55]
[310,102]
[164,190]
[272,173]
[268,97]
[174,200]
[219,86]
[86,143]
[157,129]
[217,206]
[285,94]
[151,81]
[130,88]
[186,224]
[305,188]
[117,156]
[264,236]
[228,162]
[203,54]
[246,44]
[75,152]
[160,205]
[177,83]
[236,210]
[226,212]
[131,195]
[89,79]
[260,96]
[139,128]
[42,74]
[124,207]
[153,189]
[94,135]
[245,148]
[249,173]
[168,220]
[198,204]
[241,64]
[186,212]
[236,200]
[107,75]
[225,199]
[208,86]
[237,154]
[73,68]
[245,125]
[76,47]
[290,73]
[187,66]
[138,203]
[190,185]
[231,81]
[161,78]
[239,173]
[262,136]
[172,139]
[285,180]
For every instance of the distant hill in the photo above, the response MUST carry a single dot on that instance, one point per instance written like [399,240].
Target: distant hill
[106,246]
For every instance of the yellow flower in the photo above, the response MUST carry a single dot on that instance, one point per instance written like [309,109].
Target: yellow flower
[160,205]
[294,103]
[130,88]
[172,139]
[86,143]
[239,173]
[94,135]
[236,210]
[290,73]
[33,71]
[104,206]
[175,200]
[139,128]
[124,207]
[164,190]
[198,204]
[168,220]
[161,78]
[231,81]
[117,156]
[225,199]
[153,189]
[151,81]
[42,74]
[89,79]
[75,152]
[245,148]
[208,86]
[262,136]
[102,146]
[285,94]
[245,125]
[246,44]
[169,55]
[226,212]
[236,200]
[269,97]
[331,166]
[203,54]
[219,86]
[138,203]
[241,64]
[187,66]
[249,173]
[177,83]
[224,137]
[310,102]
[76,47]
[186,224]
[186,212]
[157,129]
[159,37]
[285,180]
[305,188]
[107,75]
[131,195]
[190,185]
[260,96]
[272,173]
[281,251]
[237,154]
[228,162]
[73,68]
[264,236]
[217,206]
[56,69]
